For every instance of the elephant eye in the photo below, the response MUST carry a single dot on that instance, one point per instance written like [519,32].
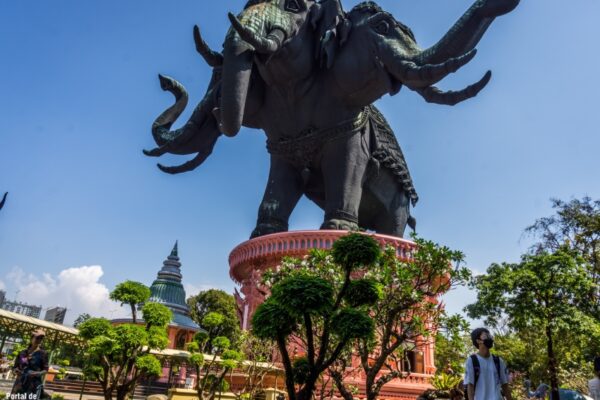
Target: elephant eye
[292,6]
[382,28]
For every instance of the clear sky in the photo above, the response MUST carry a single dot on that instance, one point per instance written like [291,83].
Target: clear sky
[86,209]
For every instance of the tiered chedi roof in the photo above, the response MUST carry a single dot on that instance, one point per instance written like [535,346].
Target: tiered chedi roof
[168,290]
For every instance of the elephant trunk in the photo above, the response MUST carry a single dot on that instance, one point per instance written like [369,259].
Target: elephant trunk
[237,69]
[260,29]
[162,125]
[416,76]
[466,32]
[199,130]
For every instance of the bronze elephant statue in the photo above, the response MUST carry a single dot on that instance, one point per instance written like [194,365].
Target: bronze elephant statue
[307,74]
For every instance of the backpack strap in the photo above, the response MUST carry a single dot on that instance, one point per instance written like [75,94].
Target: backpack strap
[476,368]
[497,364]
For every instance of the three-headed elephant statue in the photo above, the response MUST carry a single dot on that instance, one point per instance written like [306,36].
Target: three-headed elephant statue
[307,74]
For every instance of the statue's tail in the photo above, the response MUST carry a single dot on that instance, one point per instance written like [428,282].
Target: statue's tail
[412,222]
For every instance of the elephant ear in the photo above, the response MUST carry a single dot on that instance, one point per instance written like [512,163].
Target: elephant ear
[332,28]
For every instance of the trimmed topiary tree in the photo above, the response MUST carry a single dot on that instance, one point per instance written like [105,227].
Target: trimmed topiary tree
[318,303]
[119,356]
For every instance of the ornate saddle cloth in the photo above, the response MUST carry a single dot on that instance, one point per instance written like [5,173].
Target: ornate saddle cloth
[303,149]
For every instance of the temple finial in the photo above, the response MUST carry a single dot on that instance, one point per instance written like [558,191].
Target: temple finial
[174,251]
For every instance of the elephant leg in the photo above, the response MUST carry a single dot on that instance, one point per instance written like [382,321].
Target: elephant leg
[282,193]
[343,164]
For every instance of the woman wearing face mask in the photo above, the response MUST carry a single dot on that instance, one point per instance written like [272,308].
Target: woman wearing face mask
[486,376]
[30,367]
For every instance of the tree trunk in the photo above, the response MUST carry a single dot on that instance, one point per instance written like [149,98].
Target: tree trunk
[133,313]
[107,393]
[339,382]
[122,392]
[552,365]
[306,393]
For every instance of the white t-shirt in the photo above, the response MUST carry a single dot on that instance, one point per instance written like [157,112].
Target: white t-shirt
[594,387]
[489,384]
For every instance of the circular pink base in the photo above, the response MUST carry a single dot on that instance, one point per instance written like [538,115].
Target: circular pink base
[250,259]
[261,253]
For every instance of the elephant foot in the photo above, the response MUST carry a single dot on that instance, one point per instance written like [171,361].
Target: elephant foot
[339,225]
[265,228]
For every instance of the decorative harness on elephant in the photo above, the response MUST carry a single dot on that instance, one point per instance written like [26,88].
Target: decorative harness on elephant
[303,149]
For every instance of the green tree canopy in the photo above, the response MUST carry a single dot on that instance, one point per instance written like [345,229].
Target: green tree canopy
[119,356]
[548,292]
[452,343]
[309,301]
[217,301]
[575,225]
[402,297]
[131,293]
[211,373]
[81,318]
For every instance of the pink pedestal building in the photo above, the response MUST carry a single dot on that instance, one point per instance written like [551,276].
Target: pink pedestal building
[250,259]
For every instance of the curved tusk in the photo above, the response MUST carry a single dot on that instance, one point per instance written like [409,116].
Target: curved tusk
[264,45]
[185,167]
[432,94]
[157,151]
[425,75]
[212,58]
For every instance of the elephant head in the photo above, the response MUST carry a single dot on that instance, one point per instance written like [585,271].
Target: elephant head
[262,35]
[261,29]
[381,54]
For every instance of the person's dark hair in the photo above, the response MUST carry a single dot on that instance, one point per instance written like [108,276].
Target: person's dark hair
[597,364]
[475,335]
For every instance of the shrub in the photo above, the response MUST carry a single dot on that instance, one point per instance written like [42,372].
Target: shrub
[445,381]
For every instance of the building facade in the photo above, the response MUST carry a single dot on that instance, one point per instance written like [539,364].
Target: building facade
[19,307]
[56,315]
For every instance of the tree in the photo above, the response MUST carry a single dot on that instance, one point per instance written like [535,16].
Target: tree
[316,310]
[214,300]
[222,358]
[119,356]
[545,292]
[576,225]
[452,343]
[80,319]
[405,312]
[132,293]
[258,363]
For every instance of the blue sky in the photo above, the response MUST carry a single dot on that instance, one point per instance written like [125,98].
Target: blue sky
[87,210]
